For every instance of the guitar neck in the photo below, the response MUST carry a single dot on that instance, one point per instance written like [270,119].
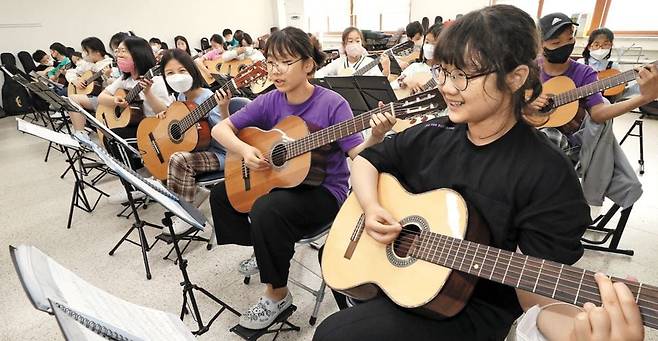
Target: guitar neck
[95,76]
[204,108]
[550,279]
[362,71]
[594,87]
[137,89]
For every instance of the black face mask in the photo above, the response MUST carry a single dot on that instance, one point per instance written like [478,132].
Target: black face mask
[560,54]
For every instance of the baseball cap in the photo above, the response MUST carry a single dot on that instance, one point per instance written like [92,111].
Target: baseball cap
[551,23]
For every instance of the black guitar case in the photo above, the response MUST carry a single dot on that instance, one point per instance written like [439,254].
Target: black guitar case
[15,98]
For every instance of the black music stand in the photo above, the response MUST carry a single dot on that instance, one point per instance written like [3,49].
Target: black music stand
[363,93]
[181,209]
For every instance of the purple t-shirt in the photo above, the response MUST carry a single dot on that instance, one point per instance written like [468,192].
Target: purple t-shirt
[581,75]
[324,108]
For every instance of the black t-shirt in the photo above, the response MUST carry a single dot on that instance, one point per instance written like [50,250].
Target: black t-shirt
[523,187]
[41,67]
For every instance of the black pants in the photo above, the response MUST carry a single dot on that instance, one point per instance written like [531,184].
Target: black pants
[278,220]
[380,319]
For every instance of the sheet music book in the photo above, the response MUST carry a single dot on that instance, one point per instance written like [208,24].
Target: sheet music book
[47,134]
[84,311]
[153,189]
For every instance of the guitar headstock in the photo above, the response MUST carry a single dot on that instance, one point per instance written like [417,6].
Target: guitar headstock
[405,48]
[250,74]
[153,72]
[428,102]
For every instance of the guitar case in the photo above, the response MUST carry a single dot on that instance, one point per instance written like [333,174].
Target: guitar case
[15,99]
[205,44]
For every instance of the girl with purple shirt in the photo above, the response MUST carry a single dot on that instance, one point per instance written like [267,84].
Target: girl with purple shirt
[280,218]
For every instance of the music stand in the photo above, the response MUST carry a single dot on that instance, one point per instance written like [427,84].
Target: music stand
[79,198]
[363,93]
[180,208]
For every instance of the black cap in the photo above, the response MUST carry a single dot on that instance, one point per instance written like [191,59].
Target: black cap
[551,23]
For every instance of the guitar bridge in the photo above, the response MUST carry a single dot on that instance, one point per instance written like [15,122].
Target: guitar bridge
[246,177]
[356,235]
[156,148]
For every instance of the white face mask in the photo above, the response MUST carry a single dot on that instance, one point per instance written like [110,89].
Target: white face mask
[428,51]
[599,54]
[180,82]
[354,50]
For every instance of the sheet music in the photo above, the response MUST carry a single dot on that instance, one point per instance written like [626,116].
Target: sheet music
[159,193]
[61,285]
[47,134]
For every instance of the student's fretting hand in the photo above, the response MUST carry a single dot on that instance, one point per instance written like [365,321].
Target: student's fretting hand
[146,84]
[381,123]
[380,224]
[618,319]
[223,98]
[648,81]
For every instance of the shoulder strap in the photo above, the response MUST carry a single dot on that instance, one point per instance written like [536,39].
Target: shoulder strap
[609,66]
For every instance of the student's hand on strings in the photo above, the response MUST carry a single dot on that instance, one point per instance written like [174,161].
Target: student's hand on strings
[146,84]
[107,71]
[537,104]
[79,83]
[223,98]
[254,159]
[380,224]
[618,319]
[120,102]
[381,123]
[648,81]
[161,115]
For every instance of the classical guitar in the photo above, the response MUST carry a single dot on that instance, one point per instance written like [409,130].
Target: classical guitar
[116,117]
[614,91]
[564,97]
[158,139]
[93,83]
[292,150]
[399,49]
[435,262]
[424,78]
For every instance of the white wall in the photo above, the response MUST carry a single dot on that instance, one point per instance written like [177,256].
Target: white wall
[448,9]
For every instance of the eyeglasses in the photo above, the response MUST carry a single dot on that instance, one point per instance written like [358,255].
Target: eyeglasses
[597,45]
[280,67]
[120,50]
[458,78]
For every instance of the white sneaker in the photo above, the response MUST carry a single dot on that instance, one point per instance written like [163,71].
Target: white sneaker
[263,313]
[180,227]
[248,267]
[120,196]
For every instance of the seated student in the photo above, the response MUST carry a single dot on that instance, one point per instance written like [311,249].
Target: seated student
[246,50]
[44,62]
[96,59]
[217,45]
[115,40]
[134,58]
[281,217]
[76,60]
[413,32]
[164,46]
[61,57]
[156,46]
[237,35]
[558,43]
[485,63]
[406,79]
[184,79]
[229,40]
[598,50]
[182,44]
[354,58]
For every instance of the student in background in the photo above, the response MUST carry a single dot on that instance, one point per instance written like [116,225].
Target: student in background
[246,50]
[60,55]
[598,50]
[156,46]
[182,44]
[217,45]
[418,69]
[44,62]
[95,59]
[183,78]
[164,46]
[355,57]
[229,40]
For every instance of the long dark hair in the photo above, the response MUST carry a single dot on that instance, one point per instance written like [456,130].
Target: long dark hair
[187,62]
[435,29]
[93,44]
[498,39]
[142,54]
[598,32]
[59,47]
[292,41]
[187,45]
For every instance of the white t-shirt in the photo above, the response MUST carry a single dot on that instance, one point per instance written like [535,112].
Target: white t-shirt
[249,52]
[159,90]
[84,66]
[341,63]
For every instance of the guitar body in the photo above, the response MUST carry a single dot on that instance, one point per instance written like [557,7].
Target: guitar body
[562,114]
[117,117]
[357,265]
[94,88]
[157,142]
[233,67]
[420,77]
[346,72]
[245,186]
[617,89]
[261,86]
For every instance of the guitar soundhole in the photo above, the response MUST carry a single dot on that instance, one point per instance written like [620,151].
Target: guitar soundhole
[548,108]
[404,241]
[175,131]
[279,155]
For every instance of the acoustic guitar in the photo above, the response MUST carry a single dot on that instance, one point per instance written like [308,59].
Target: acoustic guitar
[399,49]
[433,266]
[563,97]
[292,150]
[158,139]
[93,83]
[614,91]
[116,117]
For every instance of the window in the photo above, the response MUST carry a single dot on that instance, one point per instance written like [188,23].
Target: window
[631,15]
[336,15]
[327,16]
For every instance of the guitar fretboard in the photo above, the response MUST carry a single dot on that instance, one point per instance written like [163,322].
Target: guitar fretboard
[592,88]
[205,107]
[137,89]
[550,279]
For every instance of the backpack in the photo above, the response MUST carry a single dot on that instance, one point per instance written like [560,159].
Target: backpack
[15,98]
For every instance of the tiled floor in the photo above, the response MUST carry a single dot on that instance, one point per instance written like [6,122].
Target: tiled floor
[34,204]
